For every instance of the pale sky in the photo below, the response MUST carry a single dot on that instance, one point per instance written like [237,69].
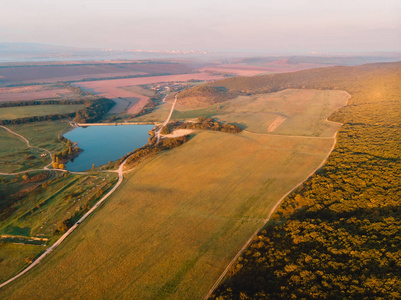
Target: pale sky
[215,25]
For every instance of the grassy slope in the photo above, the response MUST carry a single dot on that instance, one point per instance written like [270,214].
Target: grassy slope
[43,134]
[9,113]
[27,209]
[180,218]
[305,111]
[14,154]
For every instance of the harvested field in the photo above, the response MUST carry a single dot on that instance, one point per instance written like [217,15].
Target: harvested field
[32,95]
[9,113]
[133,102]
[103,86]
[305,112]
[246,69]
[70,72]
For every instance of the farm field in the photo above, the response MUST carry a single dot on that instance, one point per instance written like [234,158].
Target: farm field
[51,73]
[288,112]
[9,113]
[299,112]
[249,68]
[6,95]
[180,217]
[104,87]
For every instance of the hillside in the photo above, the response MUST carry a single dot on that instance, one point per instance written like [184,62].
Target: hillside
[340,238]
[203,96]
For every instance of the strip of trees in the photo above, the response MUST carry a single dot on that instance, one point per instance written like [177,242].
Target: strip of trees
[93,112]
[204,123]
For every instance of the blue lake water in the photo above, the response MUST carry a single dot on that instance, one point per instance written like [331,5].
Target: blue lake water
[102,144]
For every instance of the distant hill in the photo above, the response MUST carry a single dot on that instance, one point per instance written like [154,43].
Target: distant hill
[203,96]
[320,78]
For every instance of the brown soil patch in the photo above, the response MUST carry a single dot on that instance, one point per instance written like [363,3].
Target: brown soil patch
[276,123]
[24,96]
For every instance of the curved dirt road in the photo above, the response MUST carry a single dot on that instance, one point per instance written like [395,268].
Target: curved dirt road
[168,118]
[29,146]
[215,285]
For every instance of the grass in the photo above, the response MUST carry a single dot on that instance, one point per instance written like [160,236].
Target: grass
[14,257]
[15,156]
[160,114]
[31,209]
[306,112]
[139,90]
[9,113]
[177,220]
[43,134]
[10,143]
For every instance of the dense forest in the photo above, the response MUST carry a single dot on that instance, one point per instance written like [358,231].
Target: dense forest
[339,235]
[95,111]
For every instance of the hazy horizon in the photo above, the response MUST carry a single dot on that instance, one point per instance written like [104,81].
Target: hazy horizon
[254,26]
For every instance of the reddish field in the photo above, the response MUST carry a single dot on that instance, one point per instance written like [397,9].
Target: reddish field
[112,88]
[245,69]
[28,93]
[108,87]
[67,72]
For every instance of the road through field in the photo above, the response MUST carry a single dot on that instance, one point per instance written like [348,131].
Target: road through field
[29,146]
[168,118]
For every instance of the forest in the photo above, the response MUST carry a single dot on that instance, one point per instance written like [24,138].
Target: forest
[338,236]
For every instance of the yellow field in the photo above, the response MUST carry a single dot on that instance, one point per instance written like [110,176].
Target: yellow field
[177,220]
[305,111]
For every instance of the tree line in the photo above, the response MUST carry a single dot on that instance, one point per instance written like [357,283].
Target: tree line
[205,123]
[93,112]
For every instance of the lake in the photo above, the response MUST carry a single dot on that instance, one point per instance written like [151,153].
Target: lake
[102,144]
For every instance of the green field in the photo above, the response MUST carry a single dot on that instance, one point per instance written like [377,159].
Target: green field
[160,114]
[177,219]
[43,134]
[15,156]
[34,206]
[10,143]
[9,113]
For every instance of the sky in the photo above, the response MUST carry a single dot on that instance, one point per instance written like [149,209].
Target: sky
[286,26]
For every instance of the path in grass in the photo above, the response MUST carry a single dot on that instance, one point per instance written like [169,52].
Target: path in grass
[29,146]
[168,118]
